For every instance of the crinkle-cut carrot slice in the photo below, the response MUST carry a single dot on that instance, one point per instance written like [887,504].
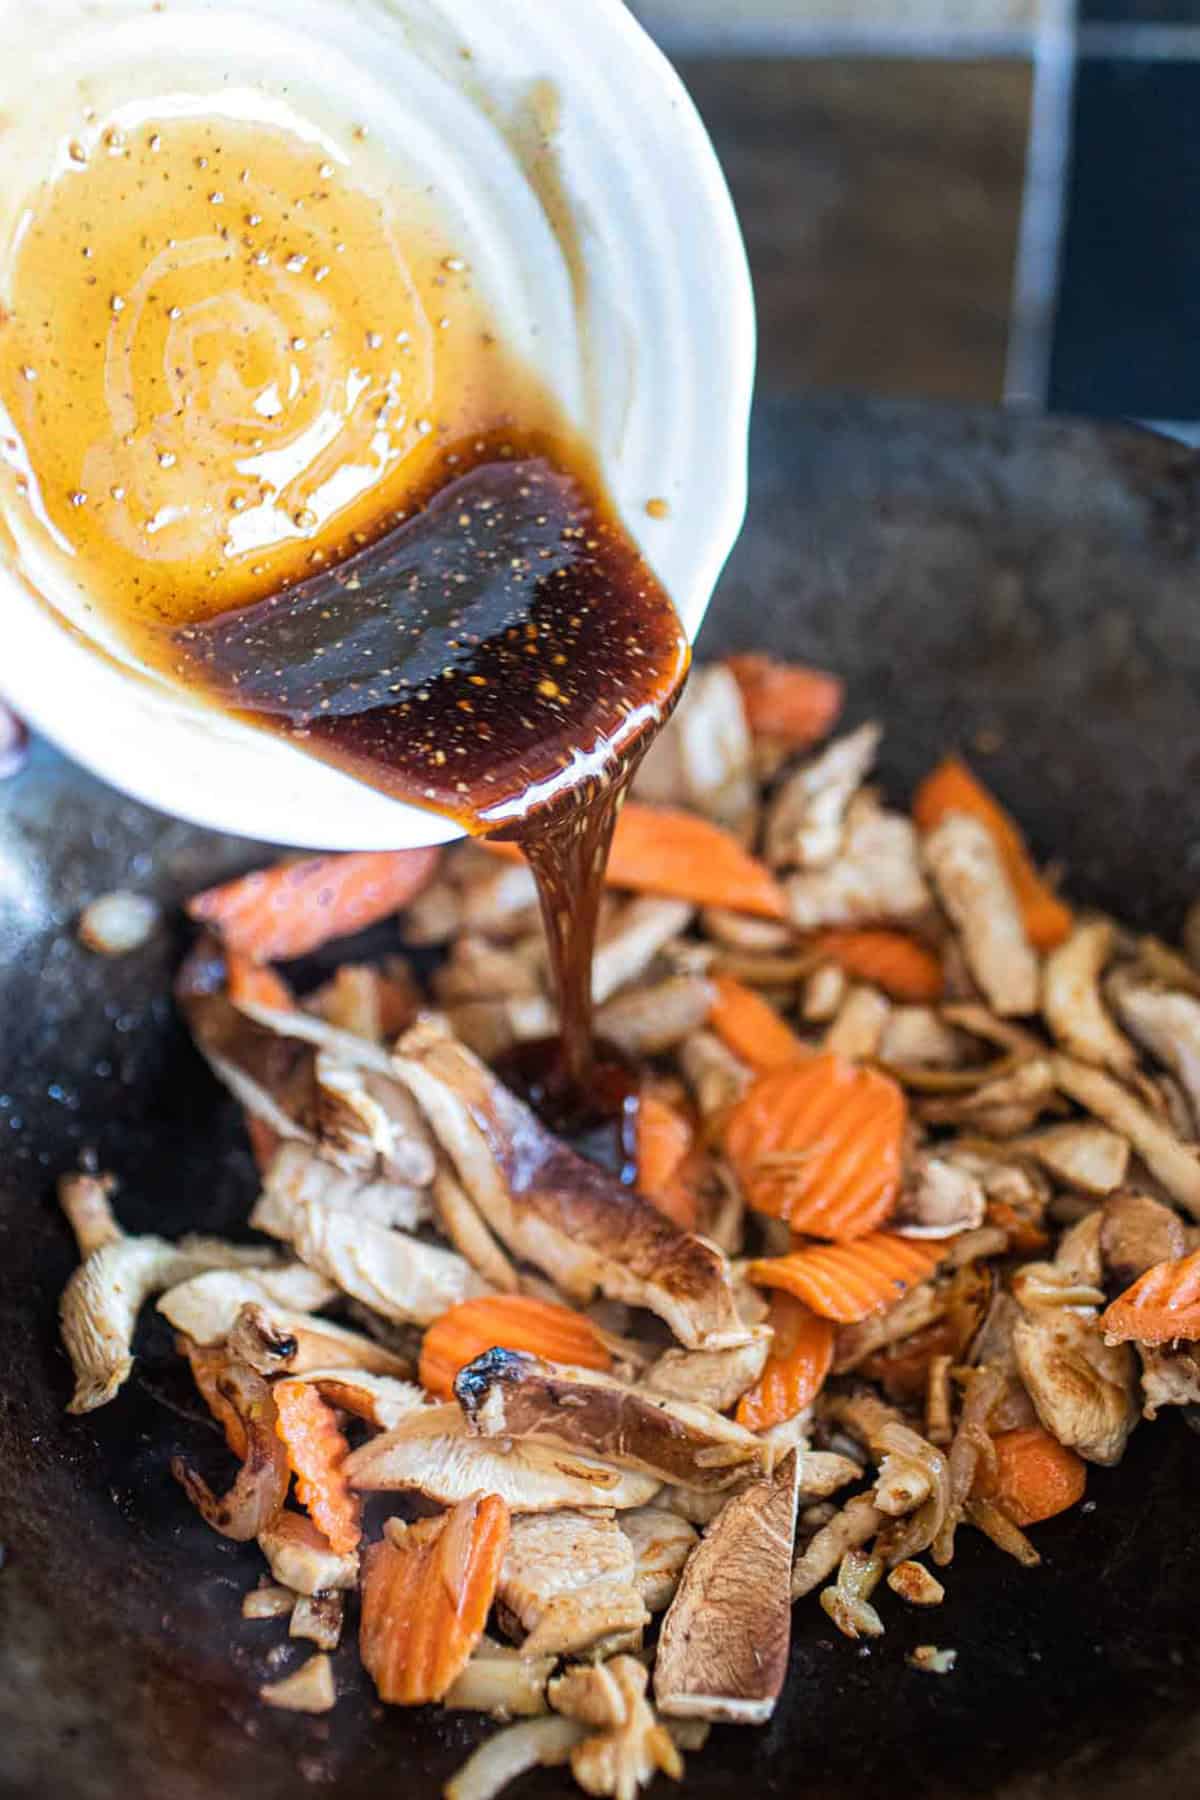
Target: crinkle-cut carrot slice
[316,1451]
[801,1354]
[294,907]
[849,1282]
[663,1137]
[663,850]
[506,1322]
[788,701]
[1031,1475]
[1162,1305]
[750,1027]
[250,983]
[892,960]
[820,1145]
[953,788]
[426,1598]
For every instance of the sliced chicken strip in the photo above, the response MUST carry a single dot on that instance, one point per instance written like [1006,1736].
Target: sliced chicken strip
[938,1199]
[714,1378]
[876,878]
[1085,1391]
[704,758]
[1135,1233]
[1170,1376]
[1071,1003]
[858,1029]
[1170,1161]
[629,943]
[962,858]
[1167,1023]
[569,1582]
[807,820]
[918,1036]
[467,1230]
[1085,1156]
[564,1215]
[301,1557]
[662,1543]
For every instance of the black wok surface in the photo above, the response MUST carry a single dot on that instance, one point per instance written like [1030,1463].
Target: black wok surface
[1032,582]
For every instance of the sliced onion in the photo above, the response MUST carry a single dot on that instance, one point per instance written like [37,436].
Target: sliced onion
[513,1752]
[262,1481]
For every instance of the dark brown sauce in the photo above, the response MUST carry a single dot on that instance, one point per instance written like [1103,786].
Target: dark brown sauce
[503,655]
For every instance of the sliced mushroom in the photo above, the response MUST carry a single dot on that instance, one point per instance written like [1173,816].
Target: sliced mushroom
[662,1543]
[919,1036]
[467,1230]
[651,1020]
[436,1453]
[205,1306]
[972,885]
[876,877]
[479,969]
[723,1649]
[715,1075]
[367,1121]
[938,1199]
[568,1582]
[858,1030]
[1167,1023]
[1170,1161]
[713,1378]
[1071,1003]
[1002,1108]
[807,819]
[397,1275]
[1084,1155]
[1084,1390]
[822,994]
[508,1394]
[743,932]
[301,1558]
[276,1342]
[566,1216]
[1135,1233]
[86,1201]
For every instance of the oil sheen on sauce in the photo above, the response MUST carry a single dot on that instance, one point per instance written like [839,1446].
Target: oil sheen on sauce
[264,413]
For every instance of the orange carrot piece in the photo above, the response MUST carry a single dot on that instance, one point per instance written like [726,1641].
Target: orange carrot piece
[788,701]
[750,1027]
[953,788]
[664,1135]
[250,983]
[663,850]
[895,962]
[425,1600]
[820,1145]
[294,907]
[1162,1305]
[800,1359]
[1033,1476]
[316,1451]
[849,1282]
[506,1322]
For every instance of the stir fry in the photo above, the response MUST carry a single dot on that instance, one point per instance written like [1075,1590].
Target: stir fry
[906,1240]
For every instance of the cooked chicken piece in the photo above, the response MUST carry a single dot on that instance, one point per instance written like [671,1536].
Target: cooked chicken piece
[564,1215]
[649,1021]
[713,1378]
[491,1027]
[1135,1233]
[435,915]
[99,1307]
[822,1472]
[382,1400]
[662,1543]
[631,940]
[367,1120]
[858,1030]
[568,1583]
[1167,1023]
[467,1230]
[300,1556]
[962,858]
[1002,1108]
[704,759]
[631,1746]
[1170,1161]
[436,1453]
[921,1306]
[1071,1003]
[741,931]
[204,1308]
[397,1275]
[1078,1254]
[917,1036]
[508,1394]
[876,877]
[317,1617]
[498,1680]
[272,1077]
[478,969]
[1086,1156]
[1084,1390]
[715,1075]
[268,1602]
[374,1003]
[723,1649]
[499,899]
[308,1689]
[1170,1376]
[807,819]
[822,994]
[938,1199]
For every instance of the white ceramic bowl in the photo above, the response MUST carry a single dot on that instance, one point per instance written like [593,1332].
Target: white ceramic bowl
[637,307]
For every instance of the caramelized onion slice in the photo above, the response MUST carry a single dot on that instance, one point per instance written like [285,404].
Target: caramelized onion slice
[261,1486]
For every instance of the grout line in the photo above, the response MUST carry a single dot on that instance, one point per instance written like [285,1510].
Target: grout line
[1141,43]
[1043,204]
[789,37]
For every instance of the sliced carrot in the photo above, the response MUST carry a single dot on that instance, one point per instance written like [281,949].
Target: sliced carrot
[506,1322]
[252,983]
[663,850]
[800,1359]
[820,1145]
[1025,1234]
[206,1363]
[293,907]
[895,962]
[953,788]
[786,700]
[849,1282]
[1032,1476]
[1162,1305]
[316,1451]
[750,1027]
[426,1598]
[664,1135]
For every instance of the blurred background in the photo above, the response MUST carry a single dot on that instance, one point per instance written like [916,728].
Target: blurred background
[963,200]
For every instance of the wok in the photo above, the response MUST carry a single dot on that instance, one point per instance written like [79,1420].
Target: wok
[1025,589]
